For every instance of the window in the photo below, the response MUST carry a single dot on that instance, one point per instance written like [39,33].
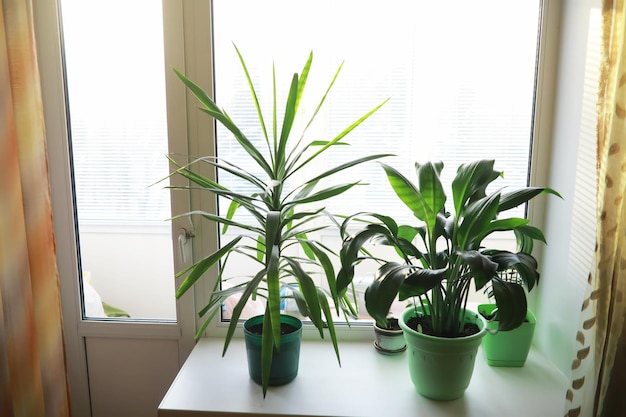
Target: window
[460,77]
[118,124]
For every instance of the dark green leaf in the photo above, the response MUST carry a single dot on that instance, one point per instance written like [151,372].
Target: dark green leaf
[350,253]
[419,281]
[511,300]
[476,218]
[515,198]
[499,225]
[267,347]
[309,292]
[329,320]
[523,263]
[431,189]
[482,267]
[381,293]
[471,178]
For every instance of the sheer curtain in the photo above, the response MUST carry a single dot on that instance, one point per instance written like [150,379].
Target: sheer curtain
[32,365]
[599,368]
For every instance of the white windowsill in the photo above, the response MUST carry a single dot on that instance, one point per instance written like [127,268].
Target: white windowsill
[367,384]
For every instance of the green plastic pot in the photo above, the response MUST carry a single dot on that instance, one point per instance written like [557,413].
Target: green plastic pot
[441,368]
[284,362]
[509,348]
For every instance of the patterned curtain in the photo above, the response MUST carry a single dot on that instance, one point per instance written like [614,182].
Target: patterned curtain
[599,369]
[33,379]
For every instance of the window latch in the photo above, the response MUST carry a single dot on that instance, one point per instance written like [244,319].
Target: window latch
[184,236]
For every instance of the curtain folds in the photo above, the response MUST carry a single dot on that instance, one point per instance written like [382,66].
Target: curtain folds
[611,248]
[599,368]
[33,379]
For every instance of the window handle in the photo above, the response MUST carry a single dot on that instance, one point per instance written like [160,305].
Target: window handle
[184,236]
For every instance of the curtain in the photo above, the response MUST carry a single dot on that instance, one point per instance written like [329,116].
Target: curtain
[599,368]
[33,380]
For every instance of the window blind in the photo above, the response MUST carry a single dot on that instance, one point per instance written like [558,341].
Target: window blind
[116,98]
[460,77]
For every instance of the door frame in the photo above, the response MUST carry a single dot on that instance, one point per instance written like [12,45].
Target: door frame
[46,14]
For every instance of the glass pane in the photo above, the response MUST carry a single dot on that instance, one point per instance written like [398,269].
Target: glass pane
[460,76]
[116,94]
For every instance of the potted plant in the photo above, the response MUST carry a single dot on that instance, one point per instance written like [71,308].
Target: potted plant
[511,347]
[388,337]
[442,334]
[284,213]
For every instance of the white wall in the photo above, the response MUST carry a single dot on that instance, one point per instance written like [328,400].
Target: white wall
[569,223]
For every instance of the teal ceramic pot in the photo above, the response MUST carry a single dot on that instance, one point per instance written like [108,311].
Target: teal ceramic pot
[441,368]
[284,362]
[508,348]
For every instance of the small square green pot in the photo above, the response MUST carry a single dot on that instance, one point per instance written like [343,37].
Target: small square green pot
[509,348]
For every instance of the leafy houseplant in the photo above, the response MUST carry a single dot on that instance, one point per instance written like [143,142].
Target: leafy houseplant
[437,274]
[389,340]
[506,348]
[283,217]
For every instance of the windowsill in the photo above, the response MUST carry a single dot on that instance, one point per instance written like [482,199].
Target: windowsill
[367,384]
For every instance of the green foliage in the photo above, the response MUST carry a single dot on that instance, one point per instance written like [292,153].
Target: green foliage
[452,255]
[282,219]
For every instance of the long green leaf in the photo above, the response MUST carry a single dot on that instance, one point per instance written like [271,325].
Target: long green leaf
[322,195]
[297,150]
[418,281]
[350,253]
[381,293]
[309,292]
[523,263]
[512,306]
[290,114]
[304,76]
[199,268]
[230,213]
[327,267]
[475,219]
[482,267]
[470,178]
[237,172]
[300,302]
[255,99]
[347,165]
[526,235]
[219,296]
[329,320]
[431,190]
[219,219]
[243,300]
[499,225]
[214,111]
[340,136]
[515,198]
[410,195]
[267,348]
[272,260]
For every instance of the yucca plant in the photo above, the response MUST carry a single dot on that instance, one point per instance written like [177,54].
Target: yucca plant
[283,216]
[437,272]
